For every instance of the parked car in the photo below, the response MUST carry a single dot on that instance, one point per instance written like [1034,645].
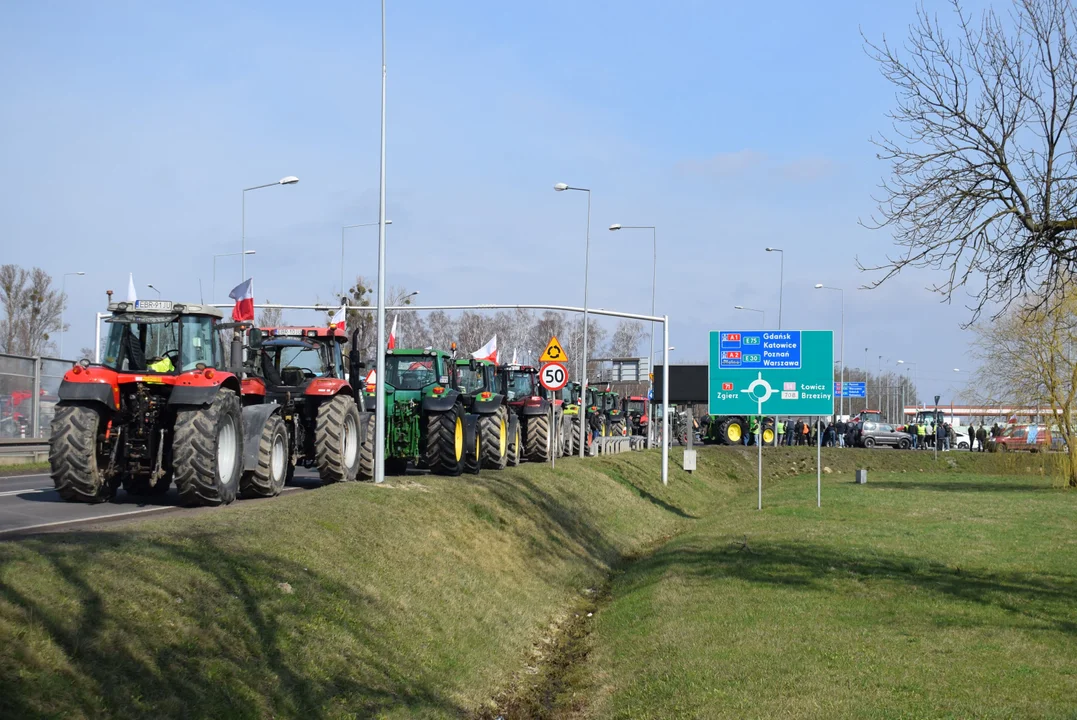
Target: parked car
[1033,438]
[883,434]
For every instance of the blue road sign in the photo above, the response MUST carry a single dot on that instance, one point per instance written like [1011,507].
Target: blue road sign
[759,350]
[856,389]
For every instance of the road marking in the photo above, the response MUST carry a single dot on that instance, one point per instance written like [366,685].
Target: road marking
[7,493]
[17,477]
[90,519]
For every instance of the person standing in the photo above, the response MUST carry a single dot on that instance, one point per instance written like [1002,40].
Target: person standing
[981,436]
[779,428]
[941,438]
[972,436]
[840,428]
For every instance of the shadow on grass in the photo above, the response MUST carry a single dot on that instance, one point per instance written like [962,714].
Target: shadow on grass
[617,476]
[1046,600]
[958,486]
[221,641]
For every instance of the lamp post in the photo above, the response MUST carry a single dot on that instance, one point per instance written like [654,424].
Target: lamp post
[654,277]
[63,304]
[904,384]
[290,180]
[763,325]
[880,381]
[820,286]
[151,287]
[781,282]
[348,227]
[379,386]
[213,290]
[561,187]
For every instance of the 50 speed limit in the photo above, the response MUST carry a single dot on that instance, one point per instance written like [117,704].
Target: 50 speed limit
[553,376]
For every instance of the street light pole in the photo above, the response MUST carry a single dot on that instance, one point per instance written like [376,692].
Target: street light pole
[347,227]
[781,282]
[63,304]
[290,180]
[654,284]
[213,290]
[820,286]
[379,386]
[561,187]
[151,287]
[761,312]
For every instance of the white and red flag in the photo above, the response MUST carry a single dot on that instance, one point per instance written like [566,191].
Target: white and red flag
[243,294]
[487,351]
[392,335]
[339,319]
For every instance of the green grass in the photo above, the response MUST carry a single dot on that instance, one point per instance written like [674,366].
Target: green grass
[921,594]
[23,468]
[430,597]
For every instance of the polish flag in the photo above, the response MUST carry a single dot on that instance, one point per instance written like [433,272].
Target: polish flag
[243,294]
[338,321]
[392,336]
[132,296]
[487,351]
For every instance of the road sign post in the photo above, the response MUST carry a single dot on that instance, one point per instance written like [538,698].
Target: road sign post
[758,372]
[553,375]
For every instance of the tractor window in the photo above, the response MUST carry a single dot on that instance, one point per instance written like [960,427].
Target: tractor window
[143,343]
[468,380]
[520,385]
[636,406]
[410,372]
[199,342]
[296,360]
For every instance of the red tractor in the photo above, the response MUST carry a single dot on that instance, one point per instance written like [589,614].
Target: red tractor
[635,409]
[162,409]
[536,413]
[302,370]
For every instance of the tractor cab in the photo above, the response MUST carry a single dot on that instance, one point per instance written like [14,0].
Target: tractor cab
[162,337]
[519,384]
[293,357]
[635,411]
[474,379]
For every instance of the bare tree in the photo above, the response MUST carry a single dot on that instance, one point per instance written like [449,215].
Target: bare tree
[984,175]
[441,330]
[626,338]
[270,317]
[31,310]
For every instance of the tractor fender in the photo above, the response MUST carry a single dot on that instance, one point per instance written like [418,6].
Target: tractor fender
[101,392]
[202,394]
[440,403]
[326,387]
[253,418]
[487,407]
[471,427]
[513,422]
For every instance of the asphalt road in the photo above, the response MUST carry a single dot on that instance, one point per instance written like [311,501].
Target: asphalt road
[28,503]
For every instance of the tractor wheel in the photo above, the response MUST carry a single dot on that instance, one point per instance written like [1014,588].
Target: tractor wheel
[473,457]
[207,451]
[268,478]
[537,441]
[572,432]
[515,445]
[768,436]
[617,427]
[366,447]
[336,440]
[140,486]
[73,457]
[495,439]
[445,441]
[731,432]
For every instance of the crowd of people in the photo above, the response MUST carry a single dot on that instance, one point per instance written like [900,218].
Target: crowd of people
[839,433]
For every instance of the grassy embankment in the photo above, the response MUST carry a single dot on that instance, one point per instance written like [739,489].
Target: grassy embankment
[422,598]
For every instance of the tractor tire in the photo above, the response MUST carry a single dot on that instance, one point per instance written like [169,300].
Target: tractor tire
[494,429]
[366,447]
[515,445]
[207,451]
[75,464]
[336,440]
[140,486]
[769,435]
[572,435]
[617,427]
[445,441]
[537,441]
[268,479]
[731,432]
[473,456]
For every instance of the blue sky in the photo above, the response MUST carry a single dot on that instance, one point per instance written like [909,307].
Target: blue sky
[128,130]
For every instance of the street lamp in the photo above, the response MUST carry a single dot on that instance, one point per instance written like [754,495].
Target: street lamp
[654,272]
[781,282]
[820,286]
[348,227]
[63,304]
[561,187]
[151,287]
[290,180]
[761,312]
[913,366]
[213,290]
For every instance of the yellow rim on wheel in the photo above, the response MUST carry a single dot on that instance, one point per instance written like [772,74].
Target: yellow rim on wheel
[476,446]
[768,436]
[459,439]
[503,439]
[735,433]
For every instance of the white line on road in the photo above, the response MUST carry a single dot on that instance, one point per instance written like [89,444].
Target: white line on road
[90,519]
[17,477]
[25,491]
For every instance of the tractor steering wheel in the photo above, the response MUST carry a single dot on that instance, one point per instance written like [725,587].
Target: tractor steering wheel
[172,355]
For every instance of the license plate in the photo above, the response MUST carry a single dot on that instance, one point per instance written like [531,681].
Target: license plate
[165,305]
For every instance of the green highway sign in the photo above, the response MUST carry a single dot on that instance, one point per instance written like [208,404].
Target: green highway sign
[771,372]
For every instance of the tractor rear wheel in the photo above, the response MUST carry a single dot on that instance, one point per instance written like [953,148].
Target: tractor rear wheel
[731,432]
[515,445]
[494,429]
[336,440]
[73,457]
[473,456]
[207,451]
[572,434]
[366,447]
[268,478]
[537,441]
[445,441]
[617,427]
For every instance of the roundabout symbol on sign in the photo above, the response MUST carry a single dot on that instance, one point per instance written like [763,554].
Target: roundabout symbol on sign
[754,391]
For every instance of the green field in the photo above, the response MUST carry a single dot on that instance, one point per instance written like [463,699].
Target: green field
[918,595]
[925,593]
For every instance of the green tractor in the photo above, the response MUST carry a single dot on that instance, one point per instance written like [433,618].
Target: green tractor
[734,429]
[609,405]
[579,427]
[498,428]
[425,419]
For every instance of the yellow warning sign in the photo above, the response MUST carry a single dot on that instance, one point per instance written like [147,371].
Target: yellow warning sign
[554,352]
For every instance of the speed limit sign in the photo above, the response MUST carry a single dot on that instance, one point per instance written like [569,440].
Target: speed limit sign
[553,376]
